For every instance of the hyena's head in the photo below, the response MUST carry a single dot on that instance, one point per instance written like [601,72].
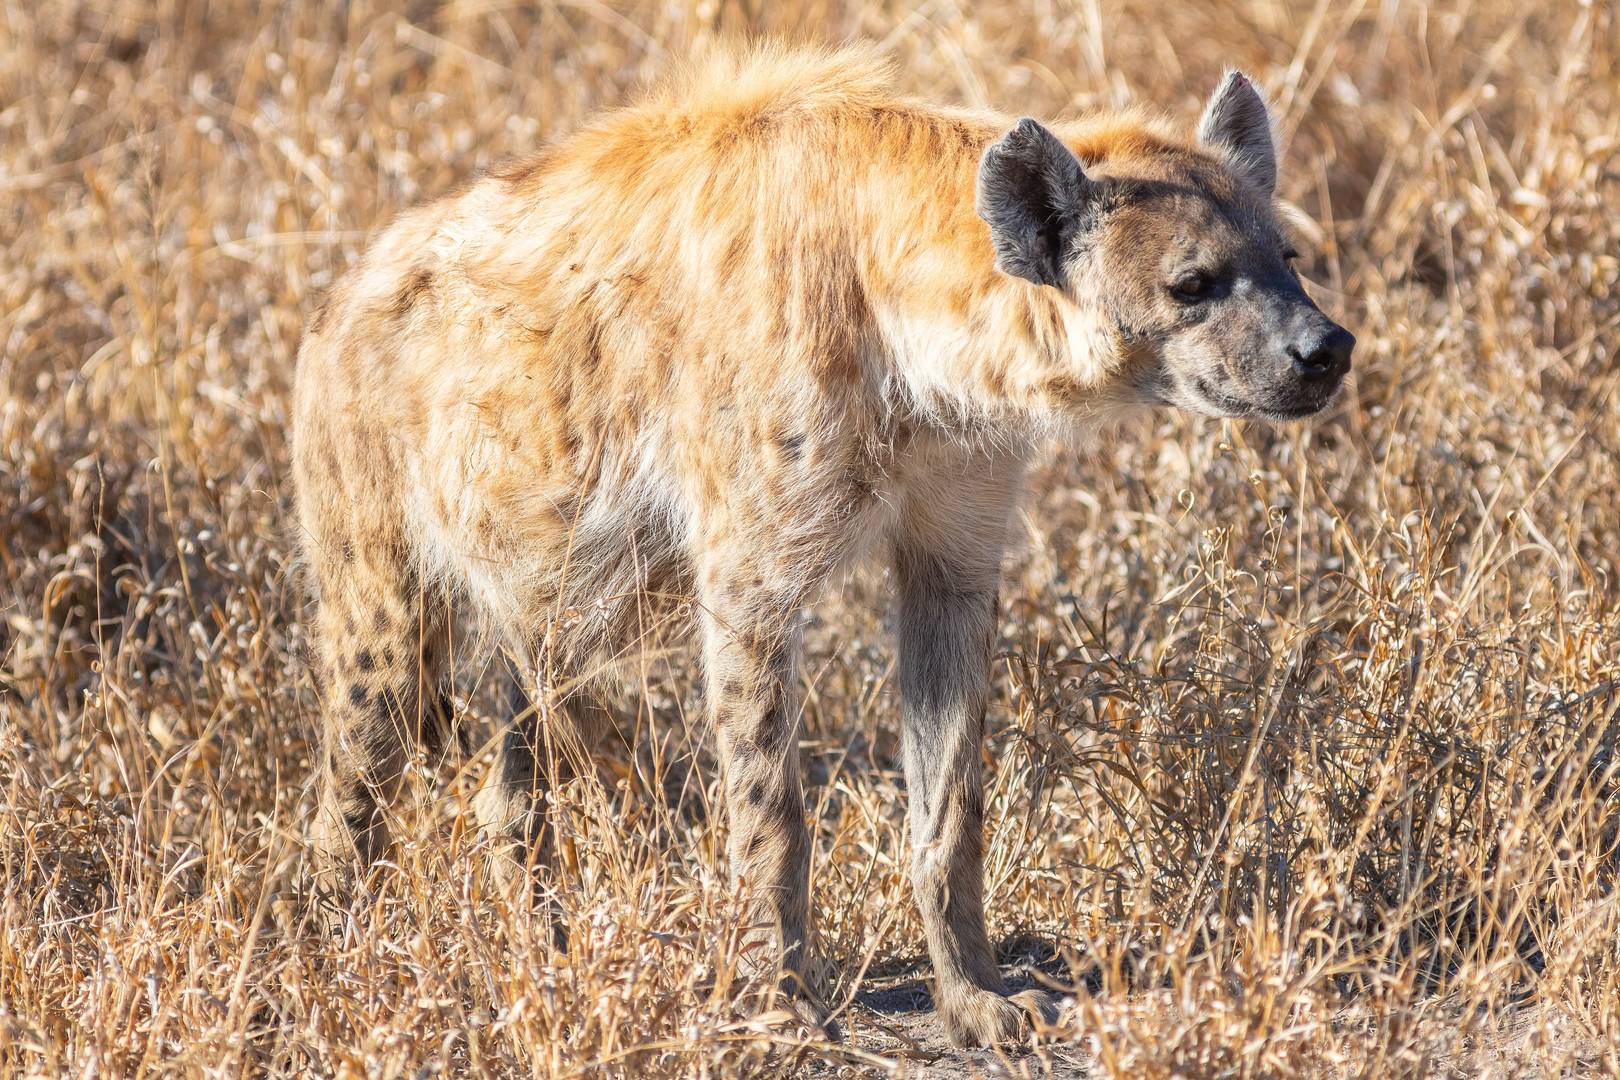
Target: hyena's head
[1178,251]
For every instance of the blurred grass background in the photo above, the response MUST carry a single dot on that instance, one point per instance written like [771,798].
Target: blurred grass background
[1303,752]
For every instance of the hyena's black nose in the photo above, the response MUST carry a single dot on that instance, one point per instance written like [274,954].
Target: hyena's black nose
[1328,357]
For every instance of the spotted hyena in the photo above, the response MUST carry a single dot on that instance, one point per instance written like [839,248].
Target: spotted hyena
[717,346]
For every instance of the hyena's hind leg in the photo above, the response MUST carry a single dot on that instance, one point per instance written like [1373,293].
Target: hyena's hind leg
[381,641]
[545,743]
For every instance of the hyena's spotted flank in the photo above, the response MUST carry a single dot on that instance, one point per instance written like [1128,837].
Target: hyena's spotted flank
[719,344]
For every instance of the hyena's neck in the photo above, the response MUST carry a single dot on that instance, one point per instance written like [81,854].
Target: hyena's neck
[1022,355]
[962,338]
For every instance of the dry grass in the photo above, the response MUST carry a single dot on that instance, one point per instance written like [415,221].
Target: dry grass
[1304,749]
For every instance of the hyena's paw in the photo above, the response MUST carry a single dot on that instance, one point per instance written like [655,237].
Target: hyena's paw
[808,1019]
[526,885]
[799,1006]
[337,892]
[802,1019]
[509,874]
[977,1017]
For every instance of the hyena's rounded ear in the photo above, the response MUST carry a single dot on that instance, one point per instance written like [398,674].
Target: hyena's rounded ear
[1033,195]
[1237,123]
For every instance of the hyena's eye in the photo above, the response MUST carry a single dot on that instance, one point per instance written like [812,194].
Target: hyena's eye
[1192,287]
[1290,254]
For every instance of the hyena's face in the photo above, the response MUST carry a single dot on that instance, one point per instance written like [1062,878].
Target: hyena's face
[1182,258]
[1207,312]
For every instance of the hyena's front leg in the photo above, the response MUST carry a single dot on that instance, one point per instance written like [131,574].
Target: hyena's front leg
[946,629]
[751,643]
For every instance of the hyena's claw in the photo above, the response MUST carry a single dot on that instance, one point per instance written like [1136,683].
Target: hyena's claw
[1041,1007]
[978,1017]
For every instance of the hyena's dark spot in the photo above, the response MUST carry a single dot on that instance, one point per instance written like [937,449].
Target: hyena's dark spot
[388,657]
[414,289]
[768,729]
[348,551]
[792,444]
[517,760]
[756,793]
[759,650]
[330,460]
[731,261]
[516,171]
[365,661]
[359,821]
[357,695]
[381,620]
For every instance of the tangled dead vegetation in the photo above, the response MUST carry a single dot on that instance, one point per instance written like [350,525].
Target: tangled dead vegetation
[1303,746]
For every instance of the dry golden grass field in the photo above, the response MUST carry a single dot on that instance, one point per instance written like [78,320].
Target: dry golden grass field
[1303,755]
